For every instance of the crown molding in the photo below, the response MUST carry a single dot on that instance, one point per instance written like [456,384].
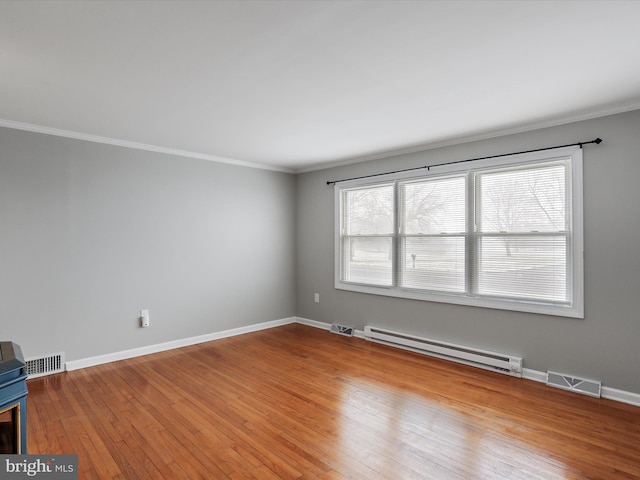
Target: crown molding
[136,145]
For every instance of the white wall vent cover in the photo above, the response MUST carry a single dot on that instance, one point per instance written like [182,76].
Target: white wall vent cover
[574,384]
[48,365]
[342,330]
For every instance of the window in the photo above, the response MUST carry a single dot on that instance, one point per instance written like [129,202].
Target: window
[368,235]
[506,233]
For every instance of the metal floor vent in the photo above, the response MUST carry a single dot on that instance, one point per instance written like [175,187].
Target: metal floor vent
[574,384]
[38,367]
[342,330]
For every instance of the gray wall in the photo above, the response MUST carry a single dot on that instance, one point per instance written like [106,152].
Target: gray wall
[605,345]
[90,234]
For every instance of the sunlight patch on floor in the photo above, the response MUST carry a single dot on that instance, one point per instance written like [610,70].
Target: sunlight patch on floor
[407,436]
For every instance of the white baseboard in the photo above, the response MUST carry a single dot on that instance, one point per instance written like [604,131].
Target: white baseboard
[325,326]
[359,334]
[621,396]
[313,323]
[161,347]
[630,398]
[534,375]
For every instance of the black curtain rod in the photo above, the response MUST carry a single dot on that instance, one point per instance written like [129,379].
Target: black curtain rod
[428,167]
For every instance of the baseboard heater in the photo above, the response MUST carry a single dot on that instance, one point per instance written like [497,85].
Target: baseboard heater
[496,362]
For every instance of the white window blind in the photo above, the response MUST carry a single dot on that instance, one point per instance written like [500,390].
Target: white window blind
[432,234]
[524,233]
[368,225]
[504,234]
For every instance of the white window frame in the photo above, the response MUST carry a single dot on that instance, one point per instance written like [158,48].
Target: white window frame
[574,309]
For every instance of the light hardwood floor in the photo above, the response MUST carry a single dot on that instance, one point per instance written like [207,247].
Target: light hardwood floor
[296,402]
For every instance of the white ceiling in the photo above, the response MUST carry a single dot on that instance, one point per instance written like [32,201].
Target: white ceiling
[295,85]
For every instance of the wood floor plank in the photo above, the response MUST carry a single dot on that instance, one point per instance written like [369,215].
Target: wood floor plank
[296,402]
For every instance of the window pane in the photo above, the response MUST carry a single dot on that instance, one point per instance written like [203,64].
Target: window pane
[524,267]
[434,206]
[523,200]
[434,263]
[368,211]
[368,260]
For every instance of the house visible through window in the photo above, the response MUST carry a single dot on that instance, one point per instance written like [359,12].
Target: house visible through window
[503,233]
